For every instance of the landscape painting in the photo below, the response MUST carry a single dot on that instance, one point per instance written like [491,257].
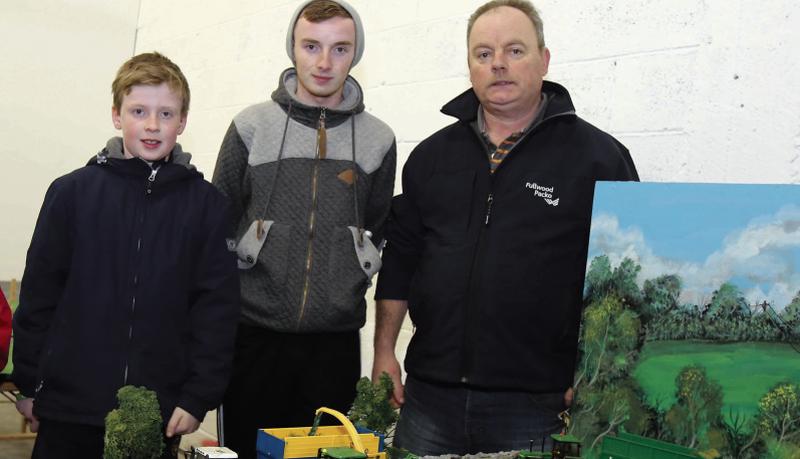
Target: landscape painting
[691,325]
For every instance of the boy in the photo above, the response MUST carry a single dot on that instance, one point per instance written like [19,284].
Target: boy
[128,278]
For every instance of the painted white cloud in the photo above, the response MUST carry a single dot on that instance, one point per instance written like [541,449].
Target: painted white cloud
[760,253]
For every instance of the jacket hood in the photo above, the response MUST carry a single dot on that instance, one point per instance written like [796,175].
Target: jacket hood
[465,105]
[284,95]
[359,51]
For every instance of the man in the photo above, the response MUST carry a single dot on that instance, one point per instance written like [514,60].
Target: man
[310,176]
[486,249]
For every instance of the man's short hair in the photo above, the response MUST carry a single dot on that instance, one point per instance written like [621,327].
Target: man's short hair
[322,10]
[151,69]
[523,5]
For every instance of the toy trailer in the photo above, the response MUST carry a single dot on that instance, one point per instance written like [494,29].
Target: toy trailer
[629,446]
[564,447]
[331,442]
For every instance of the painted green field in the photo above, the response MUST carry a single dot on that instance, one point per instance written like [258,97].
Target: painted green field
[746,371]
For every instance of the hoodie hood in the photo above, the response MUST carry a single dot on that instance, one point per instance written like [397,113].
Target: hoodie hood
[285,95]
[359,51]
[114,150]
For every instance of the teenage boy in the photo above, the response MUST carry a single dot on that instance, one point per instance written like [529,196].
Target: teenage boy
[128,278]
[310,176]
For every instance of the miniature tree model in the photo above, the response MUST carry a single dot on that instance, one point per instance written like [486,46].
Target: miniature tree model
[371,408]
[134,429]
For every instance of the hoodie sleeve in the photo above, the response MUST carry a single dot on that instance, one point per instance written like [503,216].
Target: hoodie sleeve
[380,196]
[46,270]
[214,316]
[230,173]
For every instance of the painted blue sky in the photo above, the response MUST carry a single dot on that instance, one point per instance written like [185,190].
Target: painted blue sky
[706,233]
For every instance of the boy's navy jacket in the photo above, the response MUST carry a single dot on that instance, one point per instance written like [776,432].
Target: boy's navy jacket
[128,281]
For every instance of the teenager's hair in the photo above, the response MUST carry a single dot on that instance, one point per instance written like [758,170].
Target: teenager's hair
[322,10]
[150,69]
[523,5]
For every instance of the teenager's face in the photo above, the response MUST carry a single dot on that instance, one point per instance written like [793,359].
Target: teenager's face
[150,119]
[323,52]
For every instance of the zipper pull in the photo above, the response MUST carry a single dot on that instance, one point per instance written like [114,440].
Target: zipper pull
[150,180]
[489,201]
[322,136]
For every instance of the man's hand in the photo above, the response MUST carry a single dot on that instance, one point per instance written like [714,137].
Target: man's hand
[569,395]
[389,315]
[387,361]
[181,423]
[25,408]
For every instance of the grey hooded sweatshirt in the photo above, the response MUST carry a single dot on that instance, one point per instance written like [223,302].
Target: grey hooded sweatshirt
[303,215]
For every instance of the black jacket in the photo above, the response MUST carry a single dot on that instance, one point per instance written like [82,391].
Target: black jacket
[493,265]
[127,281]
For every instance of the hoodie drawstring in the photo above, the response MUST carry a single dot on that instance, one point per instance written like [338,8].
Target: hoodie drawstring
[277,171]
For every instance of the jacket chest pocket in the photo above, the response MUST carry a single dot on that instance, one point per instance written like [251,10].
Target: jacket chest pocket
[547,212]
[446,203]
[556,199]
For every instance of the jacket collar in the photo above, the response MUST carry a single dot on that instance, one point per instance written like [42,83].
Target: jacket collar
[465,106]
[284,95]
[112,156]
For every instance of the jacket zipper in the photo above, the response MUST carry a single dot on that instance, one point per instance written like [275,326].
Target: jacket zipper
[41,381]
[473,290]
[475,275]
[319,155]
[148,192]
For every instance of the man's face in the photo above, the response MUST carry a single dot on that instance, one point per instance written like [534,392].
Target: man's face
[323,52]
[150,119]
[506,66]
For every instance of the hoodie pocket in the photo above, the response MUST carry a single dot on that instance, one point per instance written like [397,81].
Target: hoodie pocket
[369,258]
[274,255]
[249,246]
[347,280]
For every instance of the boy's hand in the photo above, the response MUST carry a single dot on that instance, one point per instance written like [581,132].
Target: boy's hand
[25,408]
[181,423]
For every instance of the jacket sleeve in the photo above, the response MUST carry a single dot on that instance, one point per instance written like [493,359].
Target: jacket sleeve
[214,316]
[230,173]
[43,282]
[626,170]
[404,234]
[379,200]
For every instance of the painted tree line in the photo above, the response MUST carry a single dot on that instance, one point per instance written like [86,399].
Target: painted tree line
[726,317]
[619,317]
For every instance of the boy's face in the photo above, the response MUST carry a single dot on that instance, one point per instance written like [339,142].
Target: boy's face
[323,52]
[150,119]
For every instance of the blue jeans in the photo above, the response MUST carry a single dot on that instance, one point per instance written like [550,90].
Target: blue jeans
[455,419]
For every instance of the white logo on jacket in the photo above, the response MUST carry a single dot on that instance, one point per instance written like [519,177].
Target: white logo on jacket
[543,192]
